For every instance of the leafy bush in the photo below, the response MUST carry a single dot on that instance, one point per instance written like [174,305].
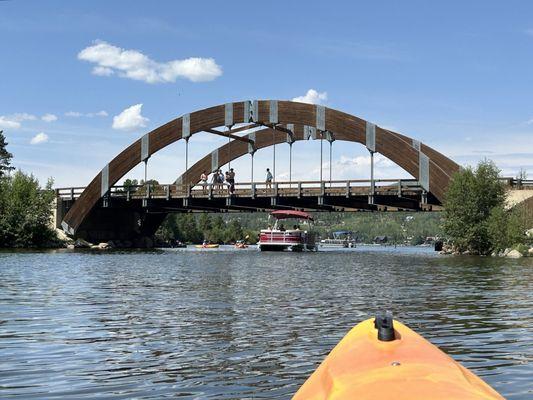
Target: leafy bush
[25,212]
[475,217]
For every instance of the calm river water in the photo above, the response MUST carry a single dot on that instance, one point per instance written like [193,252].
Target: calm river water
[228,324]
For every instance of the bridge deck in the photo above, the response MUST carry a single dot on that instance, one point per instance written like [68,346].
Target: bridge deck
[348,195]
[393,194]
[255,189]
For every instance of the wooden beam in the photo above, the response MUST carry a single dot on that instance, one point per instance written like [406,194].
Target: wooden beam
[227,134]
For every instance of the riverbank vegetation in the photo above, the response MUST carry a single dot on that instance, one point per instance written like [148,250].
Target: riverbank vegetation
[191,228]
[25,207]
[398,228]
[476,220]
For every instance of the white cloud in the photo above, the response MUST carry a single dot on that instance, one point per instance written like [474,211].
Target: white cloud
[102,71]
[76,114]
[312,97]
[14,121]
[49,118]
[135,65]
[130,119]
[19,117]
[97,114]
[39,138]
[7,123]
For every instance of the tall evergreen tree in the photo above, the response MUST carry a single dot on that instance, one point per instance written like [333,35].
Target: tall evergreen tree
[5,156]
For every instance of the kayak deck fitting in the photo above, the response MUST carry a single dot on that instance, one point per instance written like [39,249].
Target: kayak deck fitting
[382,359]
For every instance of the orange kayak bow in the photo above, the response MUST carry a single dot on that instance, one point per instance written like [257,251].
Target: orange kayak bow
[398,365]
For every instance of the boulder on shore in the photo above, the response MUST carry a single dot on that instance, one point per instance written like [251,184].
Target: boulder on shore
[514,254]
[82,244]
[530,252]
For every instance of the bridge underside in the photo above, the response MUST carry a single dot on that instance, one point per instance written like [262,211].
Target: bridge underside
[135,217]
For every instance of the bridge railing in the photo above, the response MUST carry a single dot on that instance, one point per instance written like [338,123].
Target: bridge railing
[257,189]
[516,183]
[70,193]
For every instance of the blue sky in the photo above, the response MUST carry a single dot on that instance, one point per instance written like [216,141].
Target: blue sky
[456,75]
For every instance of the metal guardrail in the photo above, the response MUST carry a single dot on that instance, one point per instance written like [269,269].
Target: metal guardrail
[518,183]
[256,189]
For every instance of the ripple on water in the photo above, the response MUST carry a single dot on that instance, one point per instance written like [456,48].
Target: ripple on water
[226,324]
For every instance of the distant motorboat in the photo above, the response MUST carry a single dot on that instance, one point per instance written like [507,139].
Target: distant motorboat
[278,238]
[339,239]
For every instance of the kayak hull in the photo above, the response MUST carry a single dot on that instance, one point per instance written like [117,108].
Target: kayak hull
[407,368]
[207,246]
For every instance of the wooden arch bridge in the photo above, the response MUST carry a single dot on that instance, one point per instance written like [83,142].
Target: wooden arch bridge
[104,211]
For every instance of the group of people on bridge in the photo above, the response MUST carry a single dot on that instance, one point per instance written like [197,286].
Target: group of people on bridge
[220,179]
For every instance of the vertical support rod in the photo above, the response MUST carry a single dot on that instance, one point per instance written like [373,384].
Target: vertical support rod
[145,170]
[274,156]
[372,184]
[321,142]
[252,173]
[186,161]
[290,165]
[229,151]
[330,150]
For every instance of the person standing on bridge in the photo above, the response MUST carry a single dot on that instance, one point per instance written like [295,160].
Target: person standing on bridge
[269,179]
[220,179]
[203,182]
[231,180]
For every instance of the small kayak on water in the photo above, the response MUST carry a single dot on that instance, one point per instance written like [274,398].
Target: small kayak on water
[397,365]
[207,246]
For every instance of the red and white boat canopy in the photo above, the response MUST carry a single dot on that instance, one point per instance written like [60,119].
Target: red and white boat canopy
[284,214]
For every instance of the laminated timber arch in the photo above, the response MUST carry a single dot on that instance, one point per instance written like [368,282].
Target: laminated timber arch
[431,168]
[279,134]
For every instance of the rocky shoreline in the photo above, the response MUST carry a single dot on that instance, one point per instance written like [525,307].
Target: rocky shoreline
[518,252]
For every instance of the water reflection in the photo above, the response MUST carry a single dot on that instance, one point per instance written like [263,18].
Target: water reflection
[236,324]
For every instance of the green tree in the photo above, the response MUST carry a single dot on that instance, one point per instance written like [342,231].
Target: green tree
[188,228]
[5,156]
[204,223]
[474,206]
[26,212]
[233,231]
[505,228]
[130,185]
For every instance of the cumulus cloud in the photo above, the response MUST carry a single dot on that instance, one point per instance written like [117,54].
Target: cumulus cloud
[14,121]
[130,119]
[39,138]
[312,97]
[19,117]
[76,114]
[97,114]
[102,71]
[49,118]
[135,65]
[8,123]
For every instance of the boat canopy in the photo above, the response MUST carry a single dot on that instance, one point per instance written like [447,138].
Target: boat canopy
[284,214]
